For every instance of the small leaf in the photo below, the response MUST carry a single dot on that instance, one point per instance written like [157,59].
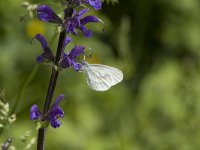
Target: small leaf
[6,107]
[1,104]
[3,112]
[25,136]
[12,118]
[32,141]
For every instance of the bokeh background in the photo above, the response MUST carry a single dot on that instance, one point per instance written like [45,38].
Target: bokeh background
[156,43]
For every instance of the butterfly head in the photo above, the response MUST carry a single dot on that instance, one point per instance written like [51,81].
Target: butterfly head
[83,65]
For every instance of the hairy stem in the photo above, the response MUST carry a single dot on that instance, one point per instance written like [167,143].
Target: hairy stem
[54,74]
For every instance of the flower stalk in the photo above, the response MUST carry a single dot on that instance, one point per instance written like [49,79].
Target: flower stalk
[52,85]
[72,22]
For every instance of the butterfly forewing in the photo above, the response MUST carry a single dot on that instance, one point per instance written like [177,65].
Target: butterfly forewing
[101,77]
[96,80]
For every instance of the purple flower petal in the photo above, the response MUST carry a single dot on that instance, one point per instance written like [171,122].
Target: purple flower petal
[69,58]
[55,123]
[45,13]
[74,12]
[56,112]
[59,98]
[35,113]
[76,51]
[47,53]
[82,12]
[87,33]
[71,28]
[67,40]
[40,59]
[96,4]
[76,66]
[66,62]
[89,19]
[42,40]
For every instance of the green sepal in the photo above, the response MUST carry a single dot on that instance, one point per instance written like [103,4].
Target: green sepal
[42,124]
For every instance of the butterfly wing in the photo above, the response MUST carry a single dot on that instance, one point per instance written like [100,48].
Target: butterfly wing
[101,77]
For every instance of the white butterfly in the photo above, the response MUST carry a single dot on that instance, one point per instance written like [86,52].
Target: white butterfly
[101,77]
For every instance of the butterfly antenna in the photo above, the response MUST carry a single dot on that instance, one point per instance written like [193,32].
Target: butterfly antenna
[104,27]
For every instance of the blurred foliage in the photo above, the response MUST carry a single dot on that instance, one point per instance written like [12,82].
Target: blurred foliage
[111,1]
[154,42]
[6,121]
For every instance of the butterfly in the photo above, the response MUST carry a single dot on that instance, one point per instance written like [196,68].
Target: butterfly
[101,77]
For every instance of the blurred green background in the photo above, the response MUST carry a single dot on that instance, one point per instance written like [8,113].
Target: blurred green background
[156,107]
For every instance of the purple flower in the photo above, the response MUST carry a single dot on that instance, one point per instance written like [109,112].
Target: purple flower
[77,21]
[45,13]
[51,116]
[47,54]
[66,41]
[55,112]
[35,113]
[69,59]
[96,4]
